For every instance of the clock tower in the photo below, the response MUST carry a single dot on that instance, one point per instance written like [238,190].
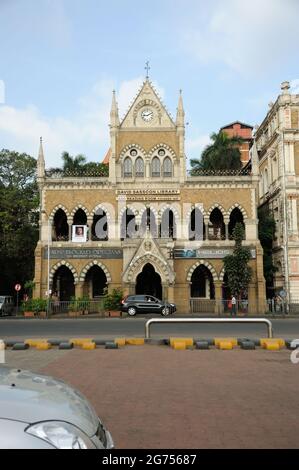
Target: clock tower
[147,144]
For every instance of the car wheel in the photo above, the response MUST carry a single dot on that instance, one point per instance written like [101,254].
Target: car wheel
[132,311]
[165,311]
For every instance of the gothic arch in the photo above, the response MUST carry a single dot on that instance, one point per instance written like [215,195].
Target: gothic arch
[221,274]
[126,150]
[192,207]
[216,206]
[128,207]
[161,267]
[104,208]
[67,265]
[207,265]
[94,263]
[79,206]
[166,147]
[154,211]
[56,208]
[237,206]
[174,209]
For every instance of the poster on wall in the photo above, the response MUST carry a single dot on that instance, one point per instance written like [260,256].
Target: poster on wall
[79,233]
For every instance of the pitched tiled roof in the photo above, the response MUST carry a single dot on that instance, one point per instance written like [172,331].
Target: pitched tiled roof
[107,156]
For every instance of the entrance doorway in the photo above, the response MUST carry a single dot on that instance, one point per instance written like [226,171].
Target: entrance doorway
[149,282]
[63,284]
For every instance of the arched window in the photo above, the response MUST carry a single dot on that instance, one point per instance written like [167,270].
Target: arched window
[128,168]
[167,167]
[139,167]
[156,167]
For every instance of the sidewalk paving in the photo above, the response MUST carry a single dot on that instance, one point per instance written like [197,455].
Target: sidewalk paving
[155,397]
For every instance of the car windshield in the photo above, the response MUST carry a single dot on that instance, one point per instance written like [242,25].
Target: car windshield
[2,299]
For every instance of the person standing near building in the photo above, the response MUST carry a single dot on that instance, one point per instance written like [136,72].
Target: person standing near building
[234,306]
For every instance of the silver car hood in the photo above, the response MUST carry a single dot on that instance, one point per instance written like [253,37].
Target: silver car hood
[31,397]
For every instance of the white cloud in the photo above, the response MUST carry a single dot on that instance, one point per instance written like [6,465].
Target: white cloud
[249,36]
[87,132]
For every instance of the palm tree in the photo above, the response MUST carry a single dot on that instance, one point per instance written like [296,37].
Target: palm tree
[73,164]
[223,154]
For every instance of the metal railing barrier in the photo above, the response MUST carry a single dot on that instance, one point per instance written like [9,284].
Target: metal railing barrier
[208,320]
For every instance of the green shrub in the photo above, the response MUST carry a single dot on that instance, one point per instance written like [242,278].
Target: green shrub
[112,301]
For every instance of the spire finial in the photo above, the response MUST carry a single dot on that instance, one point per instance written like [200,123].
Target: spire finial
[41,160]
[147,68]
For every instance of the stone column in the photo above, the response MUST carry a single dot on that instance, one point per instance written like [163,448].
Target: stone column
[218,297]
[89,225]
[252,297]
[171,293]
[70,222]
[79,286]
[226,222]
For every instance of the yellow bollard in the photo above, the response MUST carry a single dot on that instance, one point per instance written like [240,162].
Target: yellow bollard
[187,341]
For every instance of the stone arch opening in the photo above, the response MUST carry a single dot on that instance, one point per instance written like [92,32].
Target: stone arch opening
[63,284]
[168,228]
[80,217]
[60,226]
[148,221]
[148,282]
[99,227]
[95,283]
[216,225]
[128,224]
[236,216]
[202,283]
[197,228]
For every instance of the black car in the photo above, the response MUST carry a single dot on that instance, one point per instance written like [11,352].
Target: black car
[133,304]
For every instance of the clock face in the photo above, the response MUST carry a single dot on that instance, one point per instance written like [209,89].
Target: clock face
[147,115]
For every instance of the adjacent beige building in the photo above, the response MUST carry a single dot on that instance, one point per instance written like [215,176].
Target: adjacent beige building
[277,148]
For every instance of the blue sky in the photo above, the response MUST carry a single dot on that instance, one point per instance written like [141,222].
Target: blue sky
[61,59]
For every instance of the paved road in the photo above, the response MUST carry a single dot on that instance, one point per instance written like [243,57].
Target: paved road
[111,328]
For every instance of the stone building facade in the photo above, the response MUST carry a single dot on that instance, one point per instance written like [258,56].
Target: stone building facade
[149,226]
[276,146]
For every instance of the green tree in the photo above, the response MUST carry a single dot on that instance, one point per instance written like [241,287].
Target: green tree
[96,169]
[19,202]
[222,154]
[236,267]
[73,164]
[266,232]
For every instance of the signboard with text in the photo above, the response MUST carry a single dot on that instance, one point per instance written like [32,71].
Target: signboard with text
[84,253]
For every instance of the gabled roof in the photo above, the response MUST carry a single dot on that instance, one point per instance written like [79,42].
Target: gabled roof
[147,92]
[242,124]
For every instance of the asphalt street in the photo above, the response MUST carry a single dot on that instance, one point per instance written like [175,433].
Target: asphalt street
[287,328]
